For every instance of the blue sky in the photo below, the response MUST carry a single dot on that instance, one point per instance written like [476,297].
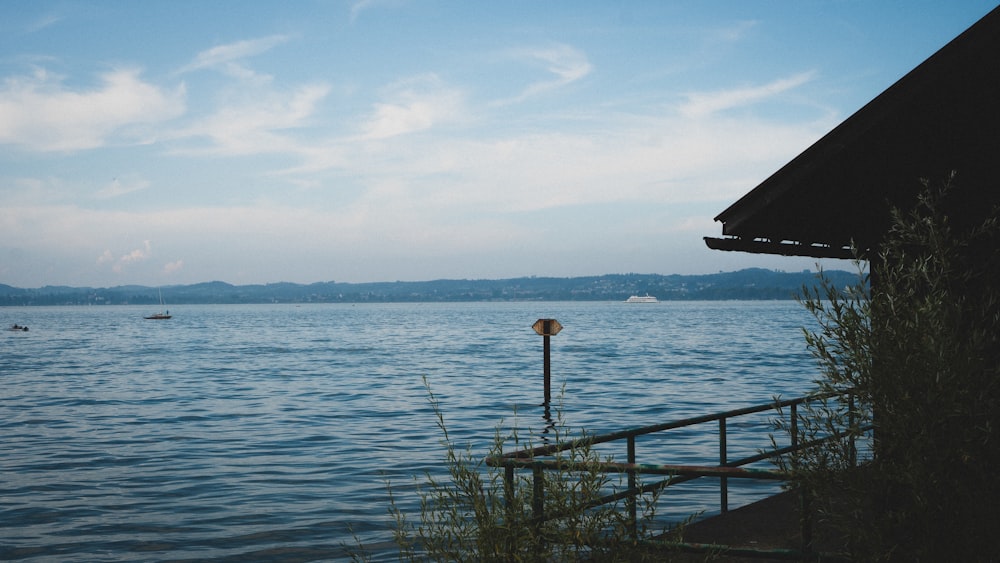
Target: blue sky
[250,142]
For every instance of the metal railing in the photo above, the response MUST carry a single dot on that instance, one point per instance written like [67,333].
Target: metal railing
[539,459]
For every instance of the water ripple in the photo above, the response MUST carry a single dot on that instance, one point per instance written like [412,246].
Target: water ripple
[269,432]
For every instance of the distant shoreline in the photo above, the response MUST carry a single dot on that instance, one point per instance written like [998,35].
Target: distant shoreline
[747,284]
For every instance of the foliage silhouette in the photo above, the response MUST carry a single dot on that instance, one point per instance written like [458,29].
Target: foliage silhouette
[475,515]
[920,349]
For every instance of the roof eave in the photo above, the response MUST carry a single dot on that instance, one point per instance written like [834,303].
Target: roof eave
[784,248]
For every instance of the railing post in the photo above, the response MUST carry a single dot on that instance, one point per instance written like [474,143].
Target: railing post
[538,498]
[508,494]
[508,489]
[795,424]
[723,482]
[632,484]
[851,423]
[805,507]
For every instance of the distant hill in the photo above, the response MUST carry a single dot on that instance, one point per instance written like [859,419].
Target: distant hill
[752,284]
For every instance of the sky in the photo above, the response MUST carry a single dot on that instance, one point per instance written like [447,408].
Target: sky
[176,142]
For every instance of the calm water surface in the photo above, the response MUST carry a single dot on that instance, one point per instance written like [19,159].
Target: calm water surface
[267,432]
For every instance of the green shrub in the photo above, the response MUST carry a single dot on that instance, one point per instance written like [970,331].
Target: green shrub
[475,515]
[922,352]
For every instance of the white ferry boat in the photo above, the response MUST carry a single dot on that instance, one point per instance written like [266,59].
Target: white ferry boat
[641,299]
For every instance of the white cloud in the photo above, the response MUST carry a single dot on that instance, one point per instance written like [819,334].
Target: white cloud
[135,255]
[122,186]
[734,32]
[413,105]
[701,104]
[105,257]
[252,127]
[564,62]
[44,21]
[225,58]
[454,194]
[173,267]
[39,112]
[654,159]
[251,116]
[118,265]
[360,6]
[38,190]
[698,225]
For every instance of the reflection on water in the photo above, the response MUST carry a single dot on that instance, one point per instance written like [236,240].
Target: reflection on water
[264,432]
[549,425]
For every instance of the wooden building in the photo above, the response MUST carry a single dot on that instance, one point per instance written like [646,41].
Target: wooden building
[942,116]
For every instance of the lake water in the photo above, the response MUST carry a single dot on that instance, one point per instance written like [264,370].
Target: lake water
[267,432]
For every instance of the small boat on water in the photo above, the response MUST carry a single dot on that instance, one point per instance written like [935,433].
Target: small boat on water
[159,316]
[18,328]
[642,299]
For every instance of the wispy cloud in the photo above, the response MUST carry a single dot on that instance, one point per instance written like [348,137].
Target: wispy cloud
[226,58]
[251,115]
[121,186]
[413,105]
[39,112]
[360,6]
[43,22]
[734,32]
[705,103]
[565,63]
[253,127]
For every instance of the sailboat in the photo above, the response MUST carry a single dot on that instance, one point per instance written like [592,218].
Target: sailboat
[159,316]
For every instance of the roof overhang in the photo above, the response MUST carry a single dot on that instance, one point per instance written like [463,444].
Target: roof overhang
[942,116]
[784,248]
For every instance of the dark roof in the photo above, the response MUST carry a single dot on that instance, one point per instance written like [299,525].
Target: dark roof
[944,115]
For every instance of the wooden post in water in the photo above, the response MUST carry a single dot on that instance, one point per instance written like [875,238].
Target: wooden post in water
[547,328]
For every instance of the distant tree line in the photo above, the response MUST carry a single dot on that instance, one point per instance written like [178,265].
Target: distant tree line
[748,284]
